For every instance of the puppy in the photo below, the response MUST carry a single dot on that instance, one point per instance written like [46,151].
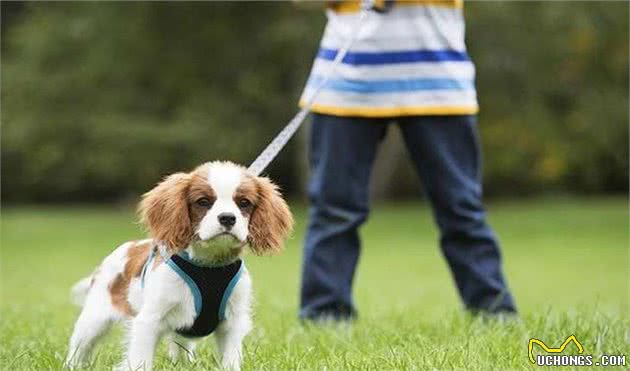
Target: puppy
[188,279]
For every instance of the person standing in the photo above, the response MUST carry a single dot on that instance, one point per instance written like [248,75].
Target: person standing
[408,65]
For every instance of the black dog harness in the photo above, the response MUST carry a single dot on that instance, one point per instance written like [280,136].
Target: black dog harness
[211,288]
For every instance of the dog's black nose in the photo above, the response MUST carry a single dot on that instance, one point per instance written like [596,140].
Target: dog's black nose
[227,220]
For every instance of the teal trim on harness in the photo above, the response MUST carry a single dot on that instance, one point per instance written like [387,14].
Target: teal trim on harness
[184,255]
[145,267]
[191,284]
[228,292]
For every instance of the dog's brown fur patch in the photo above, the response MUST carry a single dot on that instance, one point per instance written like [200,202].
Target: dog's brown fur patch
[248,189]
[199,188]
[137,256]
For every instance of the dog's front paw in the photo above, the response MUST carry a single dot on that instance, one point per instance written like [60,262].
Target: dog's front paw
[71,364]
[127,365]
[75,359]
[190,356]
[231,366]
[232,363]
[176,351]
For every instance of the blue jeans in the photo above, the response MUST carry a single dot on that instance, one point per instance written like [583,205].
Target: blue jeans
[445,151]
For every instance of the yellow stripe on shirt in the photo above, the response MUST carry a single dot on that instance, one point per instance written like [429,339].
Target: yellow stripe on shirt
[354,6]
[393,111]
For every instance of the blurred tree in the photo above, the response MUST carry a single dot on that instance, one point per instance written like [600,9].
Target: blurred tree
[553,87]
[102,99]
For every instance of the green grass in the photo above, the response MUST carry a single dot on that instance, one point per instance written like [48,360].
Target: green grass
[566,261]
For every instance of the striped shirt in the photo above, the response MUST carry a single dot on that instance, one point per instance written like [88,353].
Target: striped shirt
[411,60]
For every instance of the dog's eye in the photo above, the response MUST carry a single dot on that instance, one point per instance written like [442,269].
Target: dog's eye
[244,203]
[204,202]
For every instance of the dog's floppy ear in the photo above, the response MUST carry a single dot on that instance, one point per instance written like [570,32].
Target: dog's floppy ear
[164,211]
[271,222]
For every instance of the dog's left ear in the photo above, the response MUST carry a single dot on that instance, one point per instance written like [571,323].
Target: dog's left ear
[164,211]
[271,222]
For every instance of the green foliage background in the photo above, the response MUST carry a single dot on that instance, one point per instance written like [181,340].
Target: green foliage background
[102,99]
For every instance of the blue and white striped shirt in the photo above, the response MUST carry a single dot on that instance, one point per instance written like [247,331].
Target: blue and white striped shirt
[411,60]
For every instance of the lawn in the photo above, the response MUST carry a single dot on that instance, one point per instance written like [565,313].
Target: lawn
[566,261]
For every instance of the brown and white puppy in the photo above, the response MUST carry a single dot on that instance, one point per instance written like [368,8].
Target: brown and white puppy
[209,214]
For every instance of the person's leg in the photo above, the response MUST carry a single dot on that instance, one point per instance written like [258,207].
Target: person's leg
[342,152]
[445,150]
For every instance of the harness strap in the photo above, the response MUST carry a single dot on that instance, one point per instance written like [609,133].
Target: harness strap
[194,289]
[211,288]
[196,292]
[228,292]
[146,265]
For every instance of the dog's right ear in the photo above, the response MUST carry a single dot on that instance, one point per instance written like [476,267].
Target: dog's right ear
[164,212]
[271,222]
